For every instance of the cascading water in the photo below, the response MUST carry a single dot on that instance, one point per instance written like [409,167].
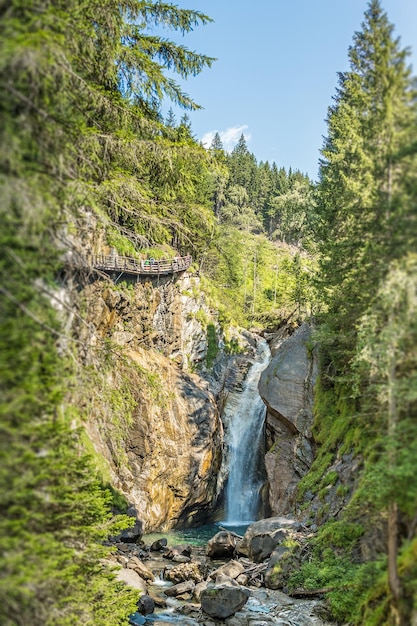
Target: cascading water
[243,417]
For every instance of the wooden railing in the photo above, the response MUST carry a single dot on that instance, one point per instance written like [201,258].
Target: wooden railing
[129,265]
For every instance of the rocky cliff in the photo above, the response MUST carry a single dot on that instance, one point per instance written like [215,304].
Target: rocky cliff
[287,386]
[151,418]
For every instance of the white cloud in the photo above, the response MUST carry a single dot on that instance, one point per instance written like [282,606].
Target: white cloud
[229,137]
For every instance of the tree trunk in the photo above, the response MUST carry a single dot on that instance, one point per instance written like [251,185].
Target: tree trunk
[254,282]
[393,578]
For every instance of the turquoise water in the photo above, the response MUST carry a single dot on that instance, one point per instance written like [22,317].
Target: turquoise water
[194,536]
[197,536]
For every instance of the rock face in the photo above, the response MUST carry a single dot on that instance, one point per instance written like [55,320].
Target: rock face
[159,314]
[286,386]
[153,421]
[166,456]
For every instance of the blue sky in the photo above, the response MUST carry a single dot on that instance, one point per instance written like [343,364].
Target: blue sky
[277,69]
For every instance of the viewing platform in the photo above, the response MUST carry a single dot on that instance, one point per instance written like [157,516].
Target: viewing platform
[140,267]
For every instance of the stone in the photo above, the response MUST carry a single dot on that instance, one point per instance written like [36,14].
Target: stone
[188,609]
[262,545]
[261,538]
[122,547]
[198,589]
[158,545]
[286,385]
[136,619]
[289,459]
[222,601]
[222,545]
[174,551]
[276,572]
[181,588]
[182,572]
[242,579]
[287,388]
[180,558]
[231,569]
[131,578]
[132,534]
[140,568]
[146,605]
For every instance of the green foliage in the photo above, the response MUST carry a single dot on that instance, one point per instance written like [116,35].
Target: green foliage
[363,218]
[232,346]
[366,394]
[375,607]
[339,534]
[313,480]
[331,567]
[54,510]
[212,345]
[80,136]
[248,279]
[122,244]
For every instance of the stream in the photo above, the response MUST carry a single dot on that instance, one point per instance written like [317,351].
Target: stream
[243,420]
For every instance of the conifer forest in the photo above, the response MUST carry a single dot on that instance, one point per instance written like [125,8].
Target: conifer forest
[90,164]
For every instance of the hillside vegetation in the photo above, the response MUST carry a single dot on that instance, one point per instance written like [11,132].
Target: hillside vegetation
[83,142]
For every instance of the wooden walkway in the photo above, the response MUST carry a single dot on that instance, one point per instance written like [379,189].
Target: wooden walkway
[138,267]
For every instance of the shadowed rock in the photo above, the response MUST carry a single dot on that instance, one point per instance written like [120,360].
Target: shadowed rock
[261,538]
[222,601]
[222,545]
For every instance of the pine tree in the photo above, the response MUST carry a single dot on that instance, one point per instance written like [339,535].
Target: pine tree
[216,144]
[367,212]
[242,164]
[82,83]
[54,512]
[171,120]
[360,176]
[387,360]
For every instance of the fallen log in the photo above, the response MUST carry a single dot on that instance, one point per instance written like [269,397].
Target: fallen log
[256,569]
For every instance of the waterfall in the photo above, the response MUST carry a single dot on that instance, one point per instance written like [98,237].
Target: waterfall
[243,417]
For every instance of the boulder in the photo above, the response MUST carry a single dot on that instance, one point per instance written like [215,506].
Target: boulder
[222,601]
[146,605]
[131,578]
[276,573]
[158,545]
[261,538]
[180,589]
[132,534]
[222,545]
[183,572]
[180,558]
[262,545]
[175,551]
[232,569]
[198,589]
[140,568]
